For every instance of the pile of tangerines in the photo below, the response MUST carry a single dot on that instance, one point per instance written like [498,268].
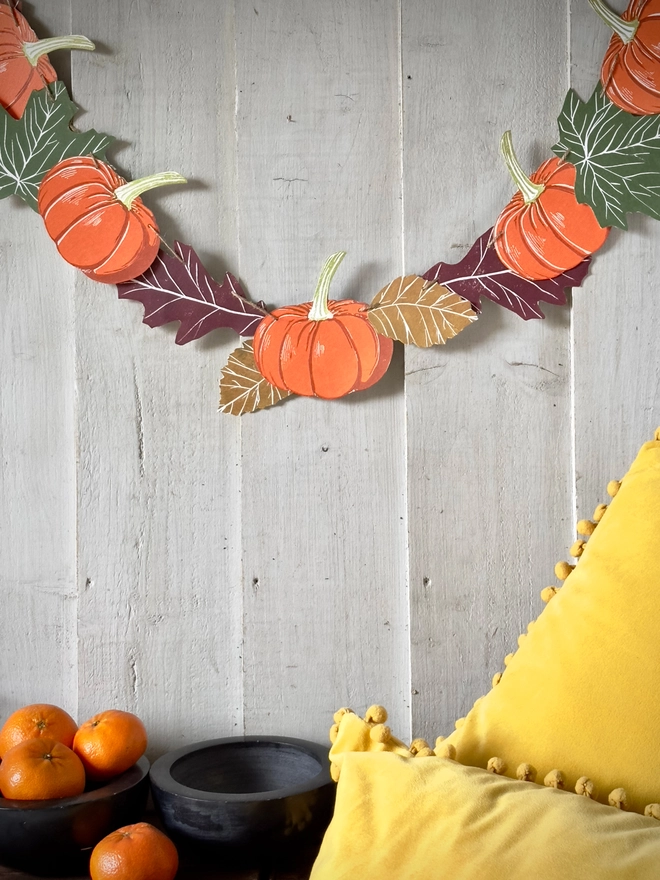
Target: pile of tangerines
[44,755]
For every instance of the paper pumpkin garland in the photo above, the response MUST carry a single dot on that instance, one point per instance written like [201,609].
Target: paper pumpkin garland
[607,165]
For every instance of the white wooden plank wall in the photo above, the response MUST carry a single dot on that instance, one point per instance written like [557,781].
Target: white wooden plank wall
[223,576]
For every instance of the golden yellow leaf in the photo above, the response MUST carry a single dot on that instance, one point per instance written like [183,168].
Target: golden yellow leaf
[424,313]
[242,387]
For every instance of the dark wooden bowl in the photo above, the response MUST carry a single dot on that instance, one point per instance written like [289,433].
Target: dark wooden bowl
[253,795]
[55,837]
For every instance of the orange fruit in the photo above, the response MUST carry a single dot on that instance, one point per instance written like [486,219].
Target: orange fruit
[134,852]
[40,719]
[41,768]
[110,743]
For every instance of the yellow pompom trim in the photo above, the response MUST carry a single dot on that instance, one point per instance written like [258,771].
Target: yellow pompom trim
[334,772]
[339,714]
[444,749]
[508,659]
[548,593]
[333,733]
[585,787]
[555,779]
[586,527]
[577,549]
[656,436]
[497,766]
[618,798]
[613,487]
[418,745]
[376,714]
[563,569]
[599,512]
[497,678]
[652,810]
[380,733]
[526,773]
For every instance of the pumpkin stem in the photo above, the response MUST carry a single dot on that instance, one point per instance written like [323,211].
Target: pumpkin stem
[128,192]
[34,51]
[319,310]
[530,191]
[626,30]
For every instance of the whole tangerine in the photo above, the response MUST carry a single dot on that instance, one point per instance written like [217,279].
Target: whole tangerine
[109,743]
[39,719]
[134,852]
[41,768]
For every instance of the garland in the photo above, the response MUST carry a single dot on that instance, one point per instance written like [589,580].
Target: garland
[606,164]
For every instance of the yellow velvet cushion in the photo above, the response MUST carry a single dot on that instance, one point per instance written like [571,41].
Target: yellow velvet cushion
[422,818]
[581,694]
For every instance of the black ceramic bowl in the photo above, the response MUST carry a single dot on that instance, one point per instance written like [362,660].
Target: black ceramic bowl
[55,837]
[251,794]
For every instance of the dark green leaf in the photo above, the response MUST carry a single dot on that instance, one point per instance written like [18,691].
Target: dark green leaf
[42,137]
[617,157]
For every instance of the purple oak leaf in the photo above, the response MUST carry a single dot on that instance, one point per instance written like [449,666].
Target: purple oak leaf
[178,288]
[482,273]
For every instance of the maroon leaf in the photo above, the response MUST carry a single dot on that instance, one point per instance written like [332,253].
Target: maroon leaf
[178,288]
[481,273]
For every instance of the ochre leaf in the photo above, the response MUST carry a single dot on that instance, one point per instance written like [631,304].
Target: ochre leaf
[414,310]
[242,387]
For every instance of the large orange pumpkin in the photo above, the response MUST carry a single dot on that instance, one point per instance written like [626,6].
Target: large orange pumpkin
[97,220]
[324,348]
[544,231]
[24,64]
[631,69]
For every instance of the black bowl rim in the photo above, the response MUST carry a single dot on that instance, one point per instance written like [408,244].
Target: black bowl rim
[161,778]
[131,777]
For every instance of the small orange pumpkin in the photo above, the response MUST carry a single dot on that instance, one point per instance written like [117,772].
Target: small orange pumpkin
[631,68]
[544,231]
[324,348]
[24,64]
[97,221]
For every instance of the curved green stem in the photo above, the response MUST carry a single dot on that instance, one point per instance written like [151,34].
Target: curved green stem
[530,191]
[319,310]
[624,29]
[128,192]
[34,51]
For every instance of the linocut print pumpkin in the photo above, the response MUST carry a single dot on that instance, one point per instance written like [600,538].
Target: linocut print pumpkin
[18,76]
[327,358]
[543,237]
[631,68]
[91,227]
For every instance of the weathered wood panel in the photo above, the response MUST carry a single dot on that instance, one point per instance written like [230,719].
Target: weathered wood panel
[323,483]
[37,454]
[488,418]
[615,322]
[158,524]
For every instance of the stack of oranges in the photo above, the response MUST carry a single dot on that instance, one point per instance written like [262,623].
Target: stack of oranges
[44,754]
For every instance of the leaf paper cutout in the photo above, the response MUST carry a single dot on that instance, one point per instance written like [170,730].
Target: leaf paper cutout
[414,310]
[617,157]
[482,273]
[242,387]
[178,288]
[32,145]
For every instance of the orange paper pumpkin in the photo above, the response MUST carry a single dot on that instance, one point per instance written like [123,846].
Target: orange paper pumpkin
[24,64]
[325,348]
[544,231]
[631,68]
[97,220]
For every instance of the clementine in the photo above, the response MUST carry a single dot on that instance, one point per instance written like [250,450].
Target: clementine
[134,852]
[39,719]
[41,768]
[110,743]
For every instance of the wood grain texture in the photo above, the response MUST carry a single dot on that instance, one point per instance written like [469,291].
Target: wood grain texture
[323,484]
[158,534]
[488,418]
[37,462]
[615,329]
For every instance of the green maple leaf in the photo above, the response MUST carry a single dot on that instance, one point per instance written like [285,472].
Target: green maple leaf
[42,137]
[617,157]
